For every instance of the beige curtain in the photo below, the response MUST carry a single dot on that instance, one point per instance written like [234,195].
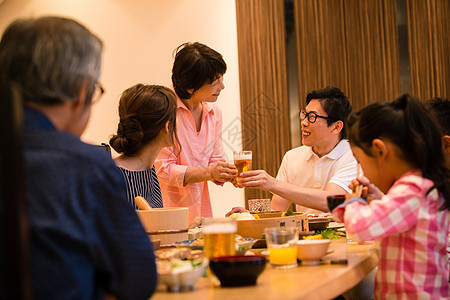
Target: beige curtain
[429,31]
[350,44]
[263,84]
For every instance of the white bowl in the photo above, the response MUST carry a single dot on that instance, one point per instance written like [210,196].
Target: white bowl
[183,281]
[311,251]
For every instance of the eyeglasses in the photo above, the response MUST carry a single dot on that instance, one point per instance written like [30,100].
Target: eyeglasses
[312,116]
[98,92]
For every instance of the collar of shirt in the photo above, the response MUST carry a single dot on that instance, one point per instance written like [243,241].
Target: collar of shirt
[334,154]
[207,107]
[36,119]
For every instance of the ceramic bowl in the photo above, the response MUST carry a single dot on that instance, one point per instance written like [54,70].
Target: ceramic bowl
[184,280]
[311,251]
[242,247]
[239,270]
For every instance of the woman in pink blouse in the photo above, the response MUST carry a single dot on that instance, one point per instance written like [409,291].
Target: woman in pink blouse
[197,77]
[399,148]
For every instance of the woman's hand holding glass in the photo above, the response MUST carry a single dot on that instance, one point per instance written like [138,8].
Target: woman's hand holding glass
[223,171]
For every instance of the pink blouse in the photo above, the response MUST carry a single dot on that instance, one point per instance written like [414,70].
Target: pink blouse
[198,149]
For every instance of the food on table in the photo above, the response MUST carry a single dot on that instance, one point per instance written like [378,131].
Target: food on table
[314,237]
[142,203]
[330,234]
[324,234]
[178,260]
[243,216]
[176,265]
[287,213]
[194,233]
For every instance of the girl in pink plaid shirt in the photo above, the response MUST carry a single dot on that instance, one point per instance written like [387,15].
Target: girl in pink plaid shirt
[408,198]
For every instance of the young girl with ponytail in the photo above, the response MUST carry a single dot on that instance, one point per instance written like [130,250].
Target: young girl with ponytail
[405,198]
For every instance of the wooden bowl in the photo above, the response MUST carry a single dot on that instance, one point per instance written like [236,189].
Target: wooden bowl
[255,228]
[169,224]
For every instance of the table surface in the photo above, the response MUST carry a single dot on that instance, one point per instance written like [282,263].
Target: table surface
[324,281]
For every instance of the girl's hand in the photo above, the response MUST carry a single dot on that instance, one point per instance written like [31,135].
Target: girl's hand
[258,179]
[369,191]
[223,171]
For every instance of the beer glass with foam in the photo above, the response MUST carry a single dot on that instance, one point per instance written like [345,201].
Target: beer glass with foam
[242,161]
[219,236]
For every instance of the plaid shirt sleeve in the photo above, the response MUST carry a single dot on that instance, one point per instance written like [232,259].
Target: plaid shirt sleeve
[392,214]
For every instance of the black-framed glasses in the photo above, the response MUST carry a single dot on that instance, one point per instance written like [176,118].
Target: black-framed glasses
[312,116]
[98,92]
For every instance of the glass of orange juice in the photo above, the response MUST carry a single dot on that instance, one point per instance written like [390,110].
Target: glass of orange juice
[281,242]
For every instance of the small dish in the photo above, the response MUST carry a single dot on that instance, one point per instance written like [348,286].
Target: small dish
[183,279]
[239,270]
[242,247]
[311,251]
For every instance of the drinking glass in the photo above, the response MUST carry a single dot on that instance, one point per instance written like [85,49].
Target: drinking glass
[219,236]
[281,242]
[259,205]
[242,161]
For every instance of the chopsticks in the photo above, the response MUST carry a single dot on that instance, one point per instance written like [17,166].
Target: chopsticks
[359,187]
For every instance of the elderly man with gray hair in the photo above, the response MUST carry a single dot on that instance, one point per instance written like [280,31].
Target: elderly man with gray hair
[86,241]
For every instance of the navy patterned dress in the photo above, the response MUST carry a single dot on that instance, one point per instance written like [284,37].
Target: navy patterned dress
[145,184]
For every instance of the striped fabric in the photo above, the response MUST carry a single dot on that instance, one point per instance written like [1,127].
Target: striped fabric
[145,184]
[413,234]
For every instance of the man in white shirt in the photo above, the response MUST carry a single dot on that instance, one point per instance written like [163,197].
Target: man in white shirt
[323,166]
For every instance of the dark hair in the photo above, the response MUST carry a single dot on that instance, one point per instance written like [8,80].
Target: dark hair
[195,65]
[406,123]
[440,108]
[335,104]
[144,110]
[49,59]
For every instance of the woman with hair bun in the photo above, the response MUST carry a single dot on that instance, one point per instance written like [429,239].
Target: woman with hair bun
[147,125]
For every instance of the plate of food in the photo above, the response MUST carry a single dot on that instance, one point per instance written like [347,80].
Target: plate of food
[180,268]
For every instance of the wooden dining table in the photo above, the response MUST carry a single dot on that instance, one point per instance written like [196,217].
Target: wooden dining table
[340,270]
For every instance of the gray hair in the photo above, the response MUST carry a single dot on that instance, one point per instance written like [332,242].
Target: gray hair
[49,59]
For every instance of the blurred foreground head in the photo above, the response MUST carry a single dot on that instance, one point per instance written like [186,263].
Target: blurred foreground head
[440,109]
[50,60]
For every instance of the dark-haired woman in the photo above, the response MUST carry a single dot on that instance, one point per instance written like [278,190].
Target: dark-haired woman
[147,124]
[197,77]
[399,148]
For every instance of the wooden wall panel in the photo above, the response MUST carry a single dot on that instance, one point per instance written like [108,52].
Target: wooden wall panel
[263,84]
[350,44]
[429,46]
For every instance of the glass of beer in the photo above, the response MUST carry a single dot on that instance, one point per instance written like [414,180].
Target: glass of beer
[242,161]
[219,236]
